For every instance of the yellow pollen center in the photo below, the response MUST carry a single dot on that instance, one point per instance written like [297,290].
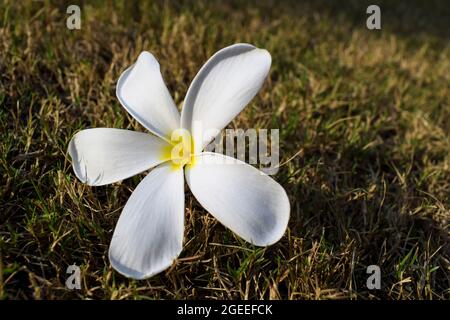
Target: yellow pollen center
[180,150]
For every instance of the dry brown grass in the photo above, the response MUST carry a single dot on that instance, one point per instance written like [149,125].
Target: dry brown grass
[364,126]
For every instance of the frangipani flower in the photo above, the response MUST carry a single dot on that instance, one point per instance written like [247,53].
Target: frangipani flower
[149,233]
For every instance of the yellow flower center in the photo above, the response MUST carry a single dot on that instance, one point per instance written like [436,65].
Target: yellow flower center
[179,152]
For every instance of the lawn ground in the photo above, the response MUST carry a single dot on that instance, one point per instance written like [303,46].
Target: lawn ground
[364,119]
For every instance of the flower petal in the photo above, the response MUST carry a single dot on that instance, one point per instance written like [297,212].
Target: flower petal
[142,92]
[149,233]
[104,155]
[222,88]
[241,197]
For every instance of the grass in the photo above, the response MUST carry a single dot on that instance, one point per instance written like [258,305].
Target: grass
[364,131]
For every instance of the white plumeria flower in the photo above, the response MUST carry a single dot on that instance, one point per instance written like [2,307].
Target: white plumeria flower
[149,234]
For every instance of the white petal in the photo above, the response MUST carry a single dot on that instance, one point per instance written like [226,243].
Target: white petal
[241,197]
[104,155]
[222,88]
[142,92]
[149,233]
